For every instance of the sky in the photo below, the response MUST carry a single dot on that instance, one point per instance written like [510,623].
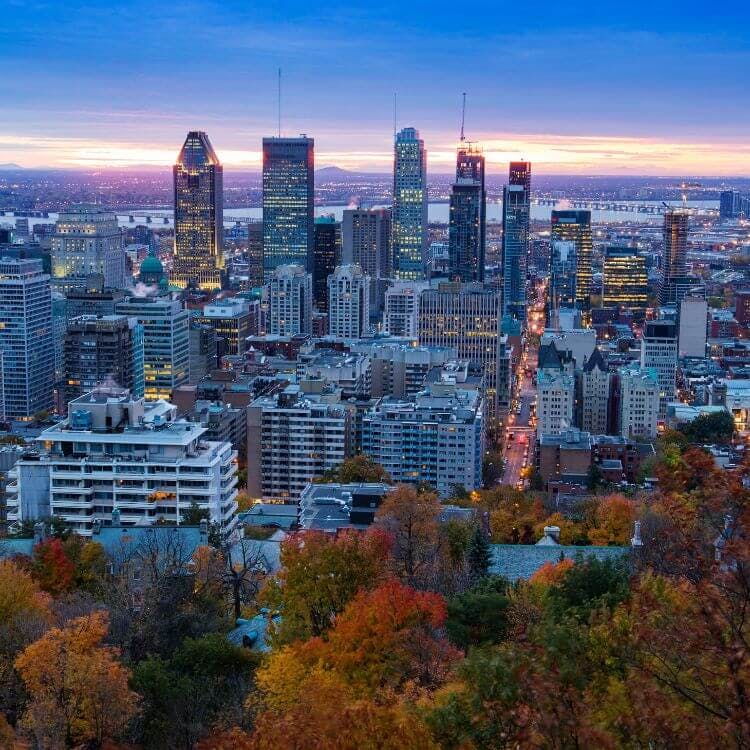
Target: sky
[578,88]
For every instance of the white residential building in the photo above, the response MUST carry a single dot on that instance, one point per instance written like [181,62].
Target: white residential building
[401,314]
[119,452]
[554,404]
[593,395]
[294,436]
[639,402]
[659,352]
[290,301]
[439,438]
[348,302]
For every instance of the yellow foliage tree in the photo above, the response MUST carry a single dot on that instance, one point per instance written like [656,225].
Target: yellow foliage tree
[78,690]
[613,521]
[570,531]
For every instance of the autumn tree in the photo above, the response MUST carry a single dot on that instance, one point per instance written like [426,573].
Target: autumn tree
[320,575]
[52,567]
[613,521]
[359,468]
[411,519]
[78,690]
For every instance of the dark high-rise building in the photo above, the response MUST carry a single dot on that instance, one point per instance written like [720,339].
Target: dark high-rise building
[575,227]
[625,279]
[730,204]
[327,257]
[105,349]
[288,203]
[515,258]
[520,174]
[409,218]
[467,219]
[675,254]
[366,240]
[198,215]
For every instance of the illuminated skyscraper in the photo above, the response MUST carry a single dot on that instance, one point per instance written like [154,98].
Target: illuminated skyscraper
[366,240]
[198,215]
[625,279]
[466,225]
[327,257]
[516,208]
[675,254]
[409,205]
[575,226]
[288,208]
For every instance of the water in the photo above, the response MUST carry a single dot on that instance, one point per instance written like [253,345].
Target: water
[438,212]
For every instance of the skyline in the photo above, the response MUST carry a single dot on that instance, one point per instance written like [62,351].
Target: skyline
[601,91]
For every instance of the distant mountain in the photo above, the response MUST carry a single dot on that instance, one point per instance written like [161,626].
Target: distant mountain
[333,173]
[10,165]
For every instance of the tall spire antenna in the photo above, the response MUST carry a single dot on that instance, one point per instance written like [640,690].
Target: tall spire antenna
[279,103]
[463,117]
[395,109]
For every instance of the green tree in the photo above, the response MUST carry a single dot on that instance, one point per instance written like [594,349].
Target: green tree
[717,427]
[359,468]
[479,555]
[479,616]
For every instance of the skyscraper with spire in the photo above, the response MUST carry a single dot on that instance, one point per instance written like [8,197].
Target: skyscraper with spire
[409,219]
[516,210]
[467,217]
[198,215]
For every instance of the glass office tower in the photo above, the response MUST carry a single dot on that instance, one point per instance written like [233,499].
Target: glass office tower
[198,215]
[409,205]
[288,207]
[327,257]
[575,226]
[467,219]
[675,254]
[516,210]
[625,279]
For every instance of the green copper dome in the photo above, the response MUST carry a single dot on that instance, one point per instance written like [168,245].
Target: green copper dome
[152,265]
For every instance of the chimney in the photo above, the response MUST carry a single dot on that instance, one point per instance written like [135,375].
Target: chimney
[96,526]
[553,532]
[116,517]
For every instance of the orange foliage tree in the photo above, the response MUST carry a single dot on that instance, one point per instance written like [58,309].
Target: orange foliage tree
[613,521]
[52,567]
[78,690]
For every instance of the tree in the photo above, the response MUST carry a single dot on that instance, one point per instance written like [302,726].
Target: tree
[479,554]
[320,575]
[614,518]
[478,616]
[717,427]
[194,514]
[359,468]
[410,518]
[514,517]
[52,568]
[77,687]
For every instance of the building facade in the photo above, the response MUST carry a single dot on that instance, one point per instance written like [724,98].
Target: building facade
[26,343]
[516,207]
[166,342]
[103,350]
[409,228]
[439,438]
[467,216]
[555,402]
[366,240]
[659,353]
[288,203]
[675,254]
[327,257]
[290,301]
[87,240]
[348,302]
[638,412]
[575,227]
[119,453]
[625,279]
[233,319]
[401,312]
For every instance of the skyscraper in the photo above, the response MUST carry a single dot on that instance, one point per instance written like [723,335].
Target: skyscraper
[730,204]
[675,253]
[349,302]
[87,240]
[327,257]
[516,210]
[659,352]
[575,226]
[625,279]
[198,215]
[466,224]
[409,228]
[288,207]
[366,240]
[166,342]
[26,337]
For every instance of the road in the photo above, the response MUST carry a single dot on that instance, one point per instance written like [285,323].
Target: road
[521,427]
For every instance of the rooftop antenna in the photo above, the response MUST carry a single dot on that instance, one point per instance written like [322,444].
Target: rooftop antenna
[463,117]
[395,109]
[279,102]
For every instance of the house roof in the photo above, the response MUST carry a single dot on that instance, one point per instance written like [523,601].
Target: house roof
[10,547]
[520,561]
[253,633]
